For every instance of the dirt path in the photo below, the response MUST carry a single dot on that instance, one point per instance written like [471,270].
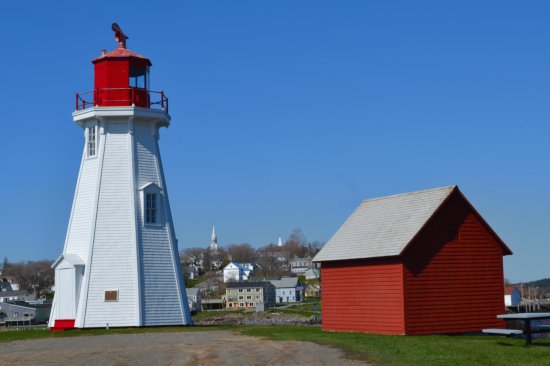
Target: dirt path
[185,348]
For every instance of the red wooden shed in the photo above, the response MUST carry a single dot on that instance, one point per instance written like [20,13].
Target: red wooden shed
[424,262]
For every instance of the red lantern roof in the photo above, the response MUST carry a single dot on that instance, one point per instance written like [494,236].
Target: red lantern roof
[121,53]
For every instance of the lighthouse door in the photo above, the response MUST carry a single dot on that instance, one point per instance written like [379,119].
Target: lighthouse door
[66,288]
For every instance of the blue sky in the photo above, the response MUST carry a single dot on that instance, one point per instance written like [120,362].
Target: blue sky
[287,114]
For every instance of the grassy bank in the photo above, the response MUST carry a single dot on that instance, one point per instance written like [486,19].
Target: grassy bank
[418,350]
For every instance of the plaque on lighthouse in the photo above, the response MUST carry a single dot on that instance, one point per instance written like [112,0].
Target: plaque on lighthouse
[120,266]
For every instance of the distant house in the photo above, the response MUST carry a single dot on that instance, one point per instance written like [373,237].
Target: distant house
[6,296]
[234,271]
[512,296]
[312,291]
[281,257]
[313,274]
[194,299]
[12,281]
[5,286]
[407,264]
[300,265]
[216,303]
[21,312]
[247,295]
[288,289]
[191,271]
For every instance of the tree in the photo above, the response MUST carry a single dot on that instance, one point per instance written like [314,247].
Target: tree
[269,267]
[192,255]
[219,258]
[32,276]
[296,244]
[241,252]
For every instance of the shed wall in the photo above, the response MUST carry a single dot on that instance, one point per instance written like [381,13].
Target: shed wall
[453,274]
[363,296]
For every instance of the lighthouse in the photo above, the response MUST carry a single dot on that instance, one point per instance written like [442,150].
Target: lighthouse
[120,264]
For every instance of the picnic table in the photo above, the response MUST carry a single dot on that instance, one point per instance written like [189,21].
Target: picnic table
[527,318]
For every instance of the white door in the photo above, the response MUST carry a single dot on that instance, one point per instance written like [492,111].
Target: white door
[66,288]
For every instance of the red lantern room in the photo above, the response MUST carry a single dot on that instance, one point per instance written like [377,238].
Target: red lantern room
[121,78]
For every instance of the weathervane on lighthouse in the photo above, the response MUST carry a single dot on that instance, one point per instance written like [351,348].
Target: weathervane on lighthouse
[120,265]
[120,37]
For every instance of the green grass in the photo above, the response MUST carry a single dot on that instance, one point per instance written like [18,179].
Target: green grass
[418,350]
[382,350]
[312,299]
[192,283]
[307,307]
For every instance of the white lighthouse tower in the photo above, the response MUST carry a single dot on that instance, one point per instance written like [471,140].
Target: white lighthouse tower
[120,264]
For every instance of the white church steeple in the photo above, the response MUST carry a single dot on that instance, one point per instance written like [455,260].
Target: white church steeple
[280,243]
[214,240]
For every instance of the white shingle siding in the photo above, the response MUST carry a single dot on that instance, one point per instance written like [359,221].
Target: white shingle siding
[107,231]
[158,270]
[112,264]
[78,233]
[383,226]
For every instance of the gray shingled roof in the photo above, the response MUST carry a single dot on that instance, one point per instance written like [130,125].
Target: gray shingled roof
[285,282]
[382,227]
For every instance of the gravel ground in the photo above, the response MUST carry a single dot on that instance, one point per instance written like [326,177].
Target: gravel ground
[185,348]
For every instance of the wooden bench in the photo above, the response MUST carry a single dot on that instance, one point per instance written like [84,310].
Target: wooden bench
[504,332]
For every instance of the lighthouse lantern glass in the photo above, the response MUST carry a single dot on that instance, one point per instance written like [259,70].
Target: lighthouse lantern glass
[139,77]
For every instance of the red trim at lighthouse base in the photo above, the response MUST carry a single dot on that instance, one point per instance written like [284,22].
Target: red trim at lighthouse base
[61,325]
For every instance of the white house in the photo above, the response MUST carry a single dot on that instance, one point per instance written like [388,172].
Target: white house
[234,271]
[288,289]
[191,271]
[14,283]
[312,273]
[194,299]
[6,296]
[512,296]
[300,265]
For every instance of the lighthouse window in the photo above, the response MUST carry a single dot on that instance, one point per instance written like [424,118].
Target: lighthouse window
[151,208]
[92,141]
[138,77]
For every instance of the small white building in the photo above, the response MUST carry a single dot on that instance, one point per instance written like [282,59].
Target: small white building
[312,273]
[300,265]
[191,271]
[14,283]
[512,296]
[6,296]
[237,272]
[194,299]
[288,289]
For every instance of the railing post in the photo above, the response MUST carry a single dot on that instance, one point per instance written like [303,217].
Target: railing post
[76,102]
[162,99]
